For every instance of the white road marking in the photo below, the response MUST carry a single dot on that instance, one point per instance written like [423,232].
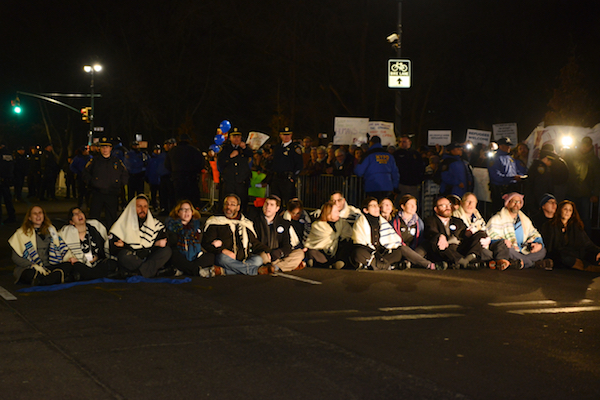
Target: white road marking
[525,303]
[405,317]
[413,308]
[296,278]
[556,310]
[6,295]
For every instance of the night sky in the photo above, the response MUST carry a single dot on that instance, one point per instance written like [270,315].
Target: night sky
[184,66]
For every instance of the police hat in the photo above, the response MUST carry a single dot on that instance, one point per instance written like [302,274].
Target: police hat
[505,141]
[104,141]
[286,131]
[235,132]
[454,145]
[135,143]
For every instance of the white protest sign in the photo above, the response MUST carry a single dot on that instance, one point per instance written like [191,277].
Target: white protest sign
[256,139]
[506,130]
[385,131]
[439,137]
[475,136]
[349,130]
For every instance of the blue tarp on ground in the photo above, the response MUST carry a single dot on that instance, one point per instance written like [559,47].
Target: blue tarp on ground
[133,279]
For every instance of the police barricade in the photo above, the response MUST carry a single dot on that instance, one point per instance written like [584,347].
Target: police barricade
[315,190]
[209,195]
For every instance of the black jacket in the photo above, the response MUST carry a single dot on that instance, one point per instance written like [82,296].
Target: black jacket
[276,236]
[236,169]
[105,175]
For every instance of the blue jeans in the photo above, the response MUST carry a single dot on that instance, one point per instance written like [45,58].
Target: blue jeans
[528,259]
[235,267]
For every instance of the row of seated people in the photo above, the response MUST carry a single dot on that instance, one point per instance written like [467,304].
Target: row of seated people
[378,237]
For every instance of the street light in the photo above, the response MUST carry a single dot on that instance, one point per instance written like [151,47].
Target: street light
[91,70]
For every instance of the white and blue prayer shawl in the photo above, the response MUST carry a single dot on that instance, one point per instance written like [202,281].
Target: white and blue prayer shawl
[241,226]
[128,229]
[475,222]
[25,245]
[502,227]
[322,236]
[294,239]
[388,238]
[70,235]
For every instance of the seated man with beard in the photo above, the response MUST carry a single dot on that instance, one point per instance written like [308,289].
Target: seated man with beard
[139,240]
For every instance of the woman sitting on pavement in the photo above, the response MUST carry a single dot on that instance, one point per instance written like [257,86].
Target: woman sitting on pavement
[41,256]
[330,240]
[476,226]
[88,241]
[567,243]
[406,222]
[184,232]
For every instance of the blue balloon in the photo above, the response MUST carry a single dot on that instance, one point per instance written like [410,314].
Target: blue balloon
[219,139]
[225,126]
[215,148]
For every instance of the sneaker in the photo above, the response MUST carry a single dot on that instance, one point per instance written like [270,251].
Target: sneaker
[546,264]
[516,264]
[211,272]
[500,264]
[266,269]
[178,272]
[441,266]
[310,263]
[338,265]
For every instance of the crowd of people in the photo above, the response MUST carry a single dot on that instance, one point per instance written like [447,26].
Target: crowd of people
[277,234]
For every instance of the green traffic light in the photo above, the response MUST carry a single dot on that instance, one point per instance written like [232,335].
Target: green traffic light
[17,109]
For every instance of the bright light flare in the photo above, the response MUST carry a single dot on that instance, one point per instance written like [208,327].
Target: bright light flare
[566,141]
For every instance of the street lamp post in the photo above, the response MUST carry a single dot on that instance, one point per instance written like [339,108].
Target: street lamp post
[90,70]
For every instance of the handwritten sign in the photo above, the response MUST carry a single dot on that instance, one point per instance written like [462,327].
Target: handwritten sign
[349,130]
[439,137]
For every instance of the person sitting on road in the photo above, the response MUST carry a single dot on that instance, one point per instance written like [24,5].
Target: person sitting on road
[139,240]
[347,212]
[568,244]
[300,221]
[524,242]
[274,232]
[447,239]
[40,254]
[330,240]
[232,239]
[546,211]
[184,233]
[88,241]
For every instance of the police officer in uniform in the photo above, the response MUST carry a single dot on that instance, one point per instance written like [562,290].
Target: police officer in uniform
[285,167]
[233,164]
[105,176]
[7,168]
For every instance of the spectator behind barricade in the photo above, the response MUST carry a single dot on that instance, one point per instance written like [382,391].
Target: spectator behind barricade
[300,220]
[455,174]
[313,167]
[410,166]
[547,173]
[521,155]
[343,164]
[584,179]
[479,156]
[306,147]
[378,169]
[523,240]
[545,212]
[358,155]
[567,243]
[505,174]
[432,167]
[329,243]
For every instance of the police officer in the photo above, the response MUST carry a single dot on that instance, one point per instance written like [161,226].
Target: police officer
[285,167]
[105,176]
[185,163]
[7,167]
[135,162]
[505,174]
[234,168]
[50,170]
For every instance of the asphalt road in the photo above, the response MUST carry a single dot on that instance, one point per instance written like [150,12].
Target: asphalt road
[411,334]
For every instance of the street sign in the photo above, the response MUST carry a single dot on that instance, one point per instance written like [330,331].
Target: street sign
[399,72]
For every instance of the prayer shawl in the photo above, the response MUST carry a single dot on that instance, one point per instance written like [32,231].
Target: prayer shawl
[323,237]
[241,226]
[127,228]
[477,225]
[388,238]
[70,234]
[501,226]
[26,246]
[349,213]
[305,221]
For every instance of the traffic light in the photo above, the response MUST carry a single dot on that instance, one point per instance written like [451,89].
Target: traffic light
[85,114]
[16,105]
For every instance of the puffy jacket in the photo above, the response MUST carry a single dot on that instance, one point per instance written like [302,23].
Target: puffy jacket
[379,170]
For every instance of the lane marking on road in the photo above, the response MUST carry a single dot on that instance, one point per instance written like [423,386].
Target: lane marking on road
[296,278]
[556,310]
[6,295]
[413,308]
[525,303]
[405,317]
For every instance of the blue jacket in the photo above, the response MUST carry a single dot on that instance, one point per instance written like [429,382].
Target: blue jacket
[78,164]
[135,161]
[504,169]
[152,174]
[455,171]
[379,170]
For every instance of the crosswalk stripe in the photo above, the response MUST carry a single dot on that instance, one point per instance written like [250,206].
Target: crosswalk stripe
[413,308]
[404,317]
[525,303]
[6,295]
[556,310]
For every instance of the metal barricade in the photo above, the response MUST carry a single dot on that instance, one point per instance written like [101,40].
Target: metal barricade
[315,190]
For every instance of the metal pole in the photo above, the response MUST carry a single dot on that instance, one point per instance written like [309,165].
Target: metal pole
[398,107]
[91,132]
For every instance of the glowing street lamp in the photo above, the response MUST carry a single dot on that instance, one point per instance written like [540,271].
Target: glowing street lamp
[91,70]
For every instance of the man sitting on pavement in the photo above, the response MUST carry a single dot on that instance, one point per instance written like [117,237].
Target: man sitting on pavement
[274,232]
[139,240]
[232,238]
[524,242]
[448,239]
[348,212]
[546,211]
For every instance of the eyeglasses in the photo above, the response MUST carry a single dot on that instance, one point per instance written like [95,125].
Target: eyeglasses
[444,205]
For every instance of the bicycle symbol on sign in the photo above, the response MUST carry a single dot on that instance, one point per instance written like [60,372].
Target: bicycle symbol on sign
[399,67]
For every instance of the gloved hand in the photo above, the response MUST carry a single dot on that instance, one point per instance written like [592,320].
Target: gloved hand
[41,269]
